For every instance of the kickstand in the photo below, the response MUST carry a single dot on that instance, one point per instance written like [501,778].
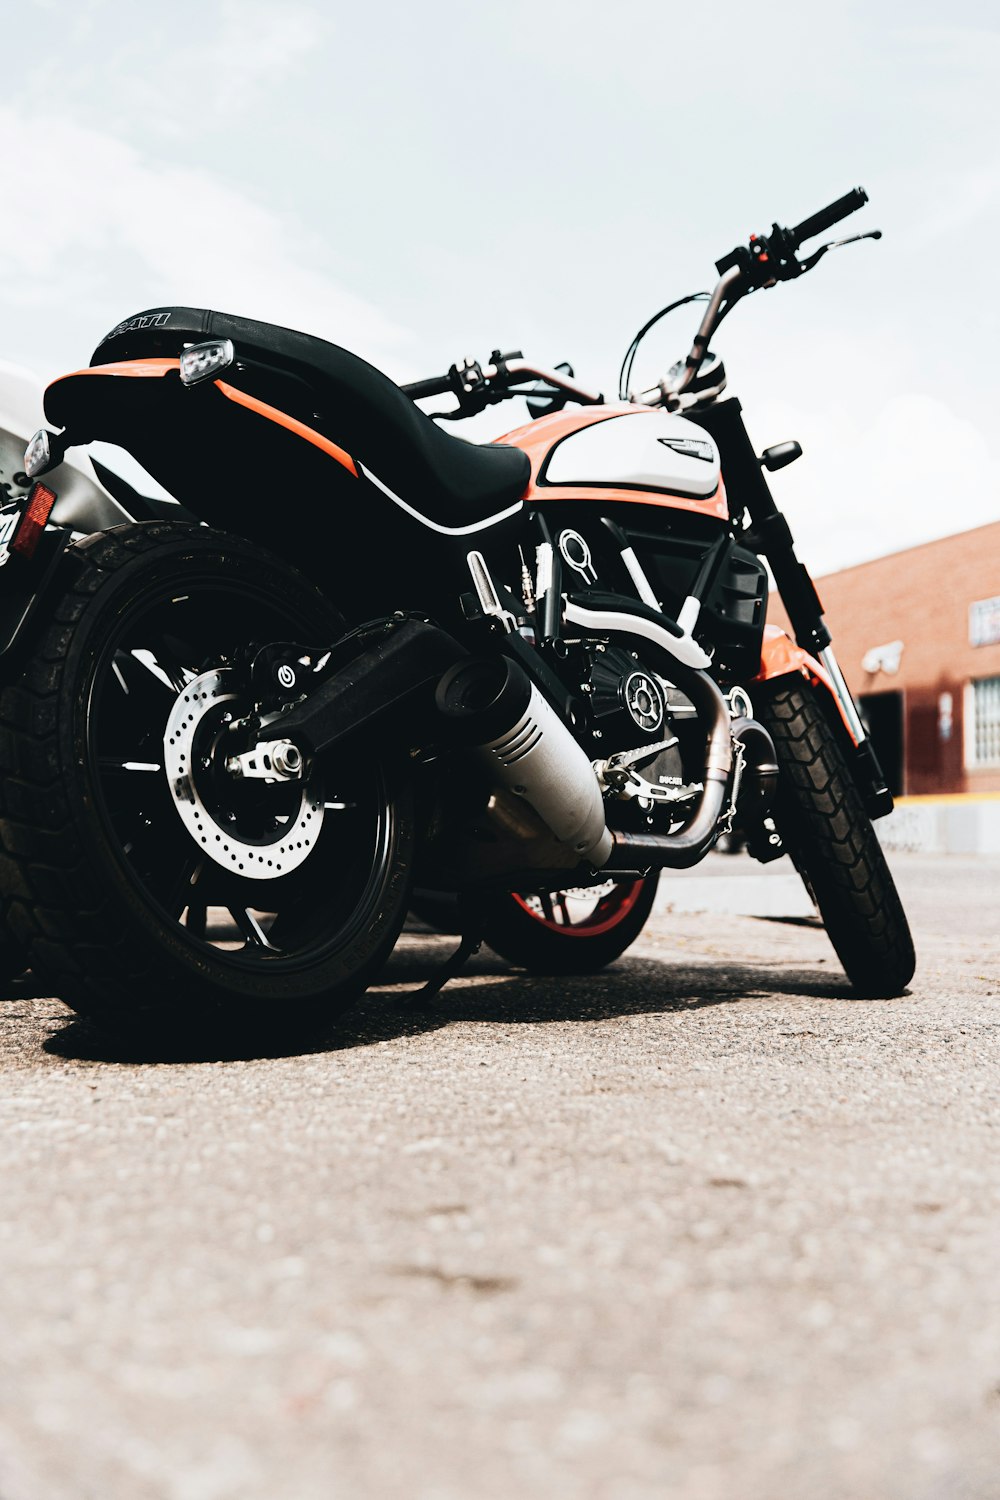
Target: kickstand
[472,941]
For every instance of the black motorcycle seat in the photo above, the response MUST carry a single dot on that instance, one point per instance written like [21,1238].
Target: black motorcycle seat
[452,482]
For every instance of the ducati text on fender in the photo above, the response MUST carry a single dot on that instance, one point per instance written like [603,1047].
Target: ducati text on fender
[362,666]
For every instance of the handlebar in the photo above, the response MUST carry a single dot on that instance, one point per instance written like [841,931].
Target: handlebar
[477,386]
[766,260]
[832,214]
[771,257]
[520,369]
[437,385]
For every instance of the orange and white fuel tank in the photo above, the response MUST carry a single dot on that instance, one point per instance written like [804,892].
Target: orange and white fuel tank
[635,455]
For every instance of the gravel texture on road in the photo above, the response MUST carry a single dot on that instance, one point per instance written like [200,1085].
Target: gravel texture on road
[702,1226]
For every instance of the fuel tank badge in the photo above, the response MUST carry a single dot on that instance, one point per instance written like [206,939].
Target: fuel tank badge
[689,447]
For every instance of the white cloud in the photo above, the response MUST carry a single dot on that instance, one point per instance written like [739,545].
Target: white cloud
[874,480]
[961,205]
[108,231]
[258,43]
[170,71]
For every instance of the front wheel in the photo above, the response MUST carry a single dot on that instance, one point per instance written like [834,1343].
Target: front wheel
[149,881]
[824,825]
[576,931]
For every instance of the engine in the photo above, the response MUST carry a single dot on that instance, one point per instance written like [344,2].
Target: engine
[643,733]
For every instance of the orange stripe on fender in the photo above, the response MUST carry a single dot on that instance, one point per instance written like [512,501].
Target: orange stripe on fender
[148,367]
[284,420]
[131,367]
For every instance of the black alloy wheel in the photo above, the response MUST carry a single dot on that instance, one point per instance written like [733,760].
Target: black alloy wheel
[579,930]
[153,877]
[575,931]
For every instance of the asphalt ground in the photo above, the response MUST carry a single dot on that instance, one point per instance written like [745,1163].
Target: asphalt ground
[702,1226]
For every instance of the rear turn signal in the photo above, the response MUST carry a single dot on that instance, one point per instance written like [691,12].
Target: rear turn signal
[36,514]
[45,451]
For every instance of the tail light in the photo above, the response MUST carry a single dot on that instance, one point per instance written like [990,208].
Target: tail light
[33,520]
[204,361]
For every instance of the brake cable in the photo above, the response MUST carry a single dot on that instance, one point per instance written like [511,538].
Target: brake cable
[625,374]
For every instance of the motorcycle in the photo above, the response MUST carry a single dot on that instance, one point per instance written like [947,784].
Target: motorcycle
[374,665]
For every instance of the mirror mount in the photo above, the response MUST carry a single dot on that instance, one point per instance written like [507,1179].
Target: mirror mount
[548,400]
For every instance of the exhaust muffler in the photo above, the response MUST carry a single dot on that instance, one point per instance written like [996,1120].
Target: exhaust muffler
[495,708]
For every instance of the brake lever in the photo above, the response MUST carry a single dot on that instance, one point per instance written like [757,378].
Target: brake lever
[458,415]
[852,239]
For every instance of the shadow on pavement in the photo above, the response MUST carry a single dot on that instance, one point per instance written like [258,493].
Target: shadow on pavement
[491,993]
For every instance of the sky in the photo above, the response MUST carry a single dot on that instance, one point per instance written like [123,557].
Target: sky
[423,182]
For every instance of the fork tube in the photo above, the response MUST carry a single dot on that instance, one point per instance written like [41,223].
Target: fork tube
[770,535]
[843,692]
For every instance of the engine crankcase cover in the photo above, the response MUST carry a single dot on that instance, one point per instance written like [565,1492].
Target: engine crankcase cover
[628,703]
[631,705]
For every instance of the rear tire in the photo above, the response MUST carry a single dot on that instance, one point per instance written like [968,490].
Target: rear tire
[824,825]
[13,960]
[110,887]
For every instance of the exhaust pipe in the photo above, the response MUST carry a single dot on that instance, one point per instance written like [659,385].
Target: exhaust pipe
[494,707]
[679,851]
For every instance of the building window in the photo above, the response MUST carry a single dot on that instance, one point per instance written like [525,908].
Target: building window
[984,721]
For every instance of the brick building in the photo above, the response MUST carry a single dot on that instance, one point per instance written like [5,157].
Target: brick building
[917,635]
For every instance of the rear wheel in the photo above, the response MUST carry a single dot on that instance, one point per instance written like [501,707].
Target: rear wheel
[13,959]
[824,825]
[146,880]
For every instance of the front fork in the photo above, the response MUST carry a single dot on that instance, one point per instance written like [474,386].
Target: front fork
[770,536]
[862,760]
[850,709]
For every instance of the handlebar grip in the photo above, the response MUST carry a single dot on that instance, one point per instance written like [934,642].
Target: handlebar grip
[827,217]
[437,385]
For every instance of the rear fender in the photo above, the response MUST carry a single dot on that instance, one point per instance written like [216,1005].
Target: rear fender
[224,454]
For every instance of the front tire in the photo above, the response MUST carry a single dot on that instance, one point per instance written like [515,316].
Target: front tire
[824,825]
[570,932]
[112,890]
